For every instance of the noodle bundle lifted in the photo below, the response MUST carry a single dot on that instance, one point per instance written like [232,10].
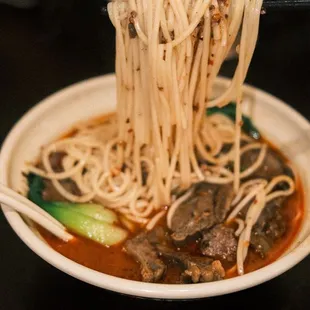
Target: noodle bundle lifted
[168,56]
[178,166]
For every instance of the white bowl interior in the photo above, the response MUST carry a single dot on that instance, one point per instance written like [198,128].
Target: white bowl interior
[57,114]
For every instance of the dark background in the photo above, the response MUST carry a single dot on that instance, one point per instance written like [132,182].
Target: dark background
[61,42]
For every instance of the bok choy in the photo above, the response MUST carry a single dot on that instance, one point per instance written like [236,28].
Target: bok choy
[230,111]
[89,220]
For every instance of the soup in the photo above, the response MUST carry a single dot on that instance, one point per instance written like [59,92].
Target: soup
[179,186]
[118,261]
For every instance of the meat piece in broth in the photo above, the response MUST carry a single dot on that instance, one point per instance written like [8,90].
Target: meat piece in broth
[51,193]
[270,226]
[201,201]
[208,206]
[56,159]
[195,268]
[219,243]
[223,198]
[193,228]
[152,268]
[158,235]
[271,167]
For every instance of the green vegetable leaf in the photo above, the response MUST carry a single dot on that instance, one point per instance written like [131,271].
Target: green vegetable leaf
[36,187]
[101,232]
[89,220]
[230,111]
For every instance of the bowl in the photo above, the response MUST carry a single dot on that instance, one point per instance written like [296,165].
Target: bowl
[55,115]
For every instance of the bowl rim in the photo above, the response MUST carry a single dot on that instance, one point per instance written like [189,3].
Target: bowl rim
[124,286]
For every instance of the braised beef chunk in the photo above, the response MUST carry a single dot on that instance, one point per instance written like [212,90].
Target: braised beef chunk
[56,161]
[271,218]
[205,194]
[158,235]
[212,272]
[195,269]
[201,201]
[51,193]
[209,206]
[149,248]
[193,228]
[270,226]
[200,220]
[152,268]
[260,243]
[222,203]
[219,243]
[183,215]
[271,167]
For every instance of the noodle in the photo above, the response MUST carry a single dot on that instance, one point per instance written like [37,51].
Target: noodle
[168,55]
[240,227]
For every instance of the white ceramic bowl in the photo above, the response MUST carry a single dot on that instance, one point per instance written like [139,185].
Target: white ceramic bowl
[58,113]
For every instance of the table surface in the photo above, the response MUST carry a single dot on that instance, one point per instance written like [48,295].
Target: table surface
[40,55]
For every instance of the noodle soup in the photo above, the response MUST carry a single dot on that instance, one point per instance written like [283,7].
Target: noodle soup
[179,186]
[284,223]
